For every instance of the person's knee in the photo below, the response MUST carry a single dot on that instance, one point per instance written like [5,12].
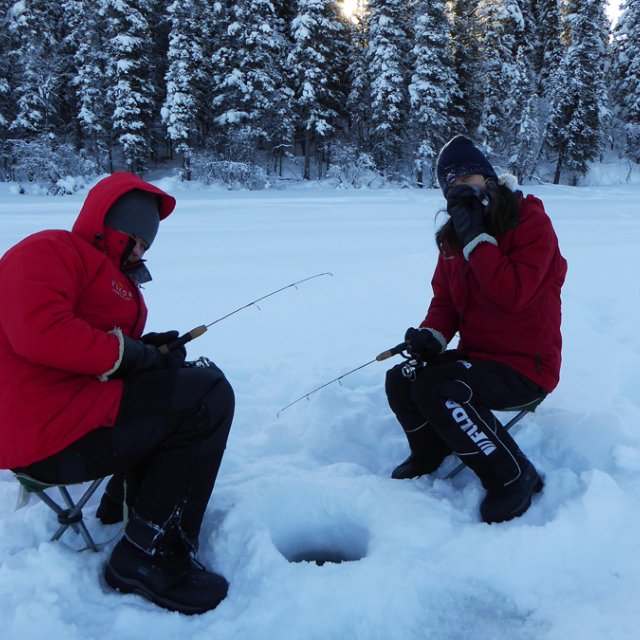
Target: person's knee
[218,405]
[221,401]
[396,386]
[430,392]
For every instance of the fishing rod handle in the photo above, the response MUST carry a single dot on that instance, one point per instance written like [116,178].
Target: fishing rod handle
[394,351]
[182,340]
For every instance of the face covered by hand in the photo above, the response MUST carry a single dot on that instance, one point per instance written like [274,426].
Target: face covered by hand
[467,206]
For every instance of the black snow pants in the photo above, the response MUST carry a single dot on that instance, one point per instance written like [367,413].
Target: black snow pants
[446,408]
[168,442]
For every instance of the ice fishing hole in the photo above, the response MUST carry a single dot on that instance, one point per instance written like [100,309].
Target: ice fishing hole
[335,542]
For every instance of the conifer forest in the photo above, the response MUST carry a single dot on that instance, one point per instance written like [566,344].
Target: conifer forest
[253,90]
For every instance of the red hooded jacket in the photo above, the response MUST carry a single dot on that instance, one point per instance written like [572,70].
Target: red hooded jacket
[505,300]
[63,294]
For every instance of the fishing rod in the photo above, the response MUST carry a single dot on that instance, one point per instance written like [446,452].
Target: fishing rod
[198,331]
[394,351]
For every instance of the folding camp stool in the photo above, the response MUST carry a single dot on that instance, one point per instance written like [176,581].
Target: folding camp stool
[522,410]
[69,517]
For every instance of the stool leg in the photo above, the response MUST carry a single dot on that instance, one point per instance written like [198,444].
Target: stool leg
[54,506]
[456,470]
[49,502]
[74,511]
[84,532]
[81,525]
[63,526]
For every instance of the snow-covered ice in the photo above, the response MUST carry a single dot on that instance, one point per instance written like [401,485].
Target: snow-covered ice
[314,482]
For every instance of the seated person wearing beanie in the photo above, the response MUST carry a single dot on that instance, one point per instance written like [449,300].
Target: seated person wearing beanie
[83,394]
[497,284]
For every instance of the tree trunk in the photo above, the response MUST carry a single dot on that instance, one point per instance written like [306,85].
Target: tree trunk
[306,175]
[186,167]
[556,177]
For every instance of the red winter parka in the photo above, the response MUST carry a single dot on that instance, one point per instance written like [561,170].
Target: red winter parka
[62,294]
[505,300]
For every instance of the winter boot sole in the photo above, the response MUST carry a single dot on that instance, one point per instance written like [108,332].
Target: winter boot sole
[539,485]
[521,508]
[410,469]
[130,585]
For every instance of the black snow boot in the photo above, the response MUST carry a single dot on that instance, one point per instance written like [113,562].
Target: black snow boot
[109,511]
[111,507]
[171,580]
[120,494]
[504,503]
[413,467]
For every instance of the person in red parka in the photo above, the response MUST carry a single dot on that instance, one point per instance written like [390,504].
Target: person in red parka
[83,394]
[496,284]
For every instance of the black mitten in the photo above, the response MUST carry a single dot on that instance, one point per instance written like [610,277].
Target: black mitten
[422,342]
[178,354]
[466,205]
[158,339]
[138,357]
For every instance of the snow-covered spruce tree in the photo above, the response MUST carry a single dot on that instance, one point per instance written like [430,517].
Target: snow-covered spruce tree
[7,108]
[575,132]
[466,107]
[85,42]
[548,49]
[5,102]
[432,89]
[626,77]
[157,18]
[505,84]
[387,62]
[524,153]
[358,107]
[316,66]
[220,53]
[39,66]
[131,92]
[184,107]
[543,30]
[285,11]
[251,101]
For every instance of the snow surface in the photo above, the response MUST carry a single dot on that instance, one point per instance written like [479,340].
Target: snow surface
[315,481]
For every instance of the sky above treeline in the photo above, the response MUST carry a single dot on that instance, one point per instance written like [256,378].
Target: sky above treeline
[613,8]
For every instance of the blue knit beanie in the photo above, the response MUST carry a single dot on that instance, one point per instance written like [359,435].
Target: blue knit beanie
[135,212]
[459,158]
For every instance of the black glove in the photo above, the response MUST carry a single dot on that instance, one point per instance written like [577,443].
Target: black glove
[466,205]
[422,343]
[178,354]
[138,357]
[158,339]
